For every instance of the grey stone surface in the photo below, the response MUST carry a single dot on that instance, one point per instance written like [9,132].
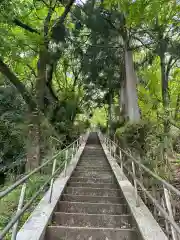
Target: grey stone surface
[34,227]
[93,185]
[109,179]
[92,217]
[84,233]
[92,220]
[92,199]
[92,208]
[103,192]
[147,225]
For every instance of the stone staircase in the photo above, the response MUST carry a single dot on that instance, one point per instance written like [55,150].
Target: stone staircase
[92,206]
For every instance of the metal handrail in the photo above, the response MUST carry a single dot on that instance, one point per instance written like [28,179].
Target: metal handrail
[21,209]
[166,211]
[23,179]
[153,200]
[164,182]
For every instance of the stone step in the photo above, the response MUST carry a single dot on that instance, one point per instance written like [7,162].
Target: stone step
[103,192]
[92,208]
[92,199]
[84,233]
[92,168]
[92,174]
[108,180]
[91,155]
[92,220]
[92,185]
[87,165]
[95,162]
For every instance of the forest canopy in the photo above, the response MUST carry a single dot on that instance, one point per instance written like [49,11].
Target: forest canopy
[66,65]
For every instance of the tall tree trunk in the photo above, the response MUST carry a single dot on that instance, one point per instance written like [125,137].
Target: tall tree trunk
[131,81]
[164,82]
[35,116]
[177,110]
[165,92]
[109,113]
[123,101]
[33,141]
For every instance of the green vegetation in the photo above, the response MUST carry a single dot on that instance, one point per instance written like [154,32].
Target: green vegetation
[8,205]
[68,65]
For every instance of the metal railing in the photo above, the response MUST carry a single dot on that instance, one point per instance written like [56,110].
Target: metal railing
[159,196]
[56,167]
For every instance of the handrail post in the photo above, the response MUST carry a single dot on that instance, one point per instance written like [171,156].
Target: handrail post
[110,148]
[20,205]
[169,208]
[72,151]
[106,141]
[80,140]
[52,180]
[121,160]
[113,150]
[65,166]
[78,143]
[135,184]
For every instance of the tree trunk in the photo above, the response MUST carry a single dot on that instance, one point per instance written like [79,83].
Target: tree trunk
[164,82]
[33,141]
[110,113]
[131,81]
[165,92]
[123,101]
[41,80]
[177,110]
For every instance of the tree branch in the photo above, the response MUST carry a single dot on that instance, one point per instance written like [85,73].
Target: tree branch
[5,70]
[65,13]
[18,23]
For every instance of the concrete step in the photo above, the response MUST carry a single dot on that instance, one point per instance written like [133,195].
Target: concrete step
[93,156]
[92,174]
[84,233]
[103,192]
[92,220]
[95,159]
[92,208]
[92,199]
[93,185]
[92,168]
[90,154]
[97,165]
[109,180]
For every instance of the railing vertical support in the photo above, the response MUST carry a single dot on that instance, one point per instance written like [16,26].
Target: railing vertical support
[135,184]
[65,166]
[52,180]
[20,205]
[72,151]
[110,148]
[77,146]
[169,208]
[121,160]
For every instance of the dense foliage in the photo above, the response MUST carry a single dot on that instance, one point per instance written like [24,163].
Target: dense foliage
[66,64]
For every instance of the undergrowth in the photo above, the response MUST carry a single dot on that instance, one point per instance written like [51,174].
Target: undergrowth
[147,141]
[9,203]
